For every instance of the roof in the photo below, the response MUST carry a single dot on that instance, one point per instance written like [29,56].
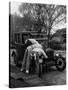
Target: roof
[30,32]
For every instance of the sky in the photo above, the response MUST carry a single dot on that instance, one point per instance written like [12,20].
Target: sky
[15,7]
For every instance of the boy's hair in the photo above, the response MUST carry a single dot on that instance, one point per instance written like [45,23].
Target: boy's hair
[28,43]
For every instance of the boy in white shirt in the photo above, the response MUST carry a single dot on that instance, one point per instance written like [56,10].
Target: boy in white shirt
[33,47]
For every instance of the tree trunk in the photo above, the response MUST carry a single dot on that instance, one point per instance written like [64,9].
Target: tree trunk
[49,29]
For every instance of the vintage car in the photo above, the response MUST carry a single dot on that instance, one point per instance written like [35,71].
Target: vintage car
[17,48]
[38,63]
[53,60]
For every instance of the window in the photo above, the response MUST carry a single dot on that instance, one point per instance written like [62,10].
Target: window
[15,37]
[18,37]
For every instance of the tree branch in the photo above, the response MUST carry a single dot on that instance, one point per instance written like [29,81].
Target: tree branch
[59,21]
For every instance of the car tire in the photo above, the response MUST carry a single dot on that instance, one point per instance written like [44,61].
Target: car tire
[60,64]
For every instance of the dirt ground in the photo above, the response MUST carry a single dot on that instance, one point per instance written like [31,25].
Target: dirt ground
[49,78]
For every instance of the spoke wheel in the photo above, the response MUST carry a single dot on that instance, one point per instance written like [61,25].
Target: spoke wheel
[60,64]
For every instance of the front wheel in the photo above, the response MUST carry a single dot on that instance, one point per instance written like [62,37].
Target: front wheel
[60,64]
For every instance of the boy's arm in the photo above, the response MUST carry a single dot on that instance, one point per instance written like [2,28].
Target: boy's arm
[44,54]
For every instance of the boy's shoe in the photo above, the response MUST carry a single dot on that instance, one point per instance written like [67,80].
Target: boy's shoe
[27,72]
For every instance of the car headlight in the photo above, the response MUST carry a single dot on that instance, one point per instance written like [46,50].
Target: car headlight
[57,54]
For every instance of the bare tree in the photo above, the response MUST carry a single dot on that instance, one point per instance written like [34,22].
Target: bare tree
[45,15]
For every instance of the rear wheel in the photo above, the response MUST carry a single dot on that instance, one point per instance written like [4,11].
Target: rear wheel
[60,64]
